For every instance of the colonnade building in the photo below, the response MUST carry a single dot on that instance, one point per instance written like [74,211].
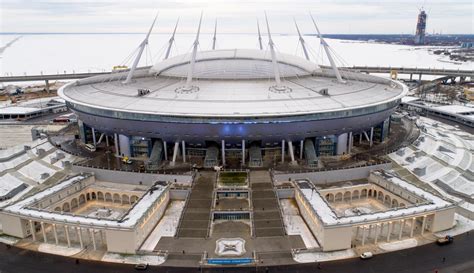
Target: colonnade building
[81,211]
[386,208]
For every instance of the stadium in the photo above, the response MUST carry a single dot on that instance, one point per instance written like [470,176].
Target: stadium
[244,101]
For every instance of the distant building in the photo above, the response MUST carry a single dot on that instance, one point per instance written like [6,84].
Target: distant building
[420,28]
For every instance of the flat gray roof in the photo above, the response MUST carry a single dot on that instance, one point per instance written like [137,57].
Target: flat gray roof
[222,95]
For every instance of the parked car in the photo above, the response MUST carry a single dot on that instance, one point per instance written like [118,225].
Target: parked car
[445,240]
[366,255]
[141,266]
[90,147]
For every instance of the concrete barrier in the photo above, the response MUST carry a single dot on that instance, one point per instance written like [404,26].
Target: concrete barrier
[132,177]
[329,176]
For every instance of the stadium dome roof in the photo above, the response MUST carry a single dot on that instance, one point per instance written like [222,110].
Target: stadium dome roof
[235,64]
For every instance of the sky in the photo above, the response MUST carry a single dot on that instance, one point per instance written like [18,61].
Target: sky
[235,16]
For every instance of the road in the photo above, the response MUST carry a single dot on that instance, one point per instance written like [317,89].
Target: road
[428,258]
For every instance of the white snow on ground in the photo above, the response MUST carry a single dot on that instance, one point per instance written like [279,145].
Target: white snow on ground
[8,183]
[14,162]
[8,240]
[134,259]
[462,225]
[445,143]
[295,224]
[311,257]
[46,146]
[15,198]
[397,245]
[167,225]
[58,249]
[34,170]
[59,163]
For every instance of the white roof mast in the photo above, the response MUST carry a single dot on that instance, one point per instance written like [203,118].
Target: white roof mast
[328,53]
[141,48]
[193,58]
[259,36]
[302,41]
[171,41]
[274,60]
[214,38]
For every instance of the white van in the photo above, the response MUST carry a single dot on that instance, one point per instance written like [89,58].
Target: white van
[90,147]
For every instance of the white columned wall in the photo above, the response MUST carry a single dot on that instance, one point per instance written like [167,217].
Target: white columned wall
[223,152]
[91,231]
[79,233]
[165,147]
[341,144]
[183,144]
[301,148]
[33,230]
[124,142]
[66,228]
[413,223]
[243,151]
[55,234]
[371,136]
[117,151]
[44,232]
[363,235]
[350,142]
[376,233]
[282,151]
[423,225]
[389,232]
[400,232]
[292,155]
[175,153]
[94,140]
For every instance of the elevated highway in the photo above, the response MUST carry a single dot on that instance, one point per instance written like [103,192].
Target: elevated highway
[365,69]
[463,73]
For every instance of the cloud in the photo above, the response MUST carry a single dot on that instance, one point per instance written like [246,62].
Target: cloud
[335,16]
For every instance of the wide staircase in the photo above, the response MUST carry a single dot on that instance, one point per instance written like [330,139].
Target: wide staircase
[196,217]
[267,219]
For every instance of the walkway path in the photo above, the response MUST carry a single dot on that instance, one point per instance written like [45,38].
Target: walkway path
[267,220]
[197,212]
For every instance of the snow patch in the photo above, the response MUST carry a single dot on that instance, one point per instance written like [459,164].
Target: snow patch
[134,259]
[311,257]
[58,249]
[397,245]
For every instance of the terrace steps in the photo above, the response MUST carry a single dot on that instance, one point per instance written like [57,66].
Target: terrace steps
[267,220]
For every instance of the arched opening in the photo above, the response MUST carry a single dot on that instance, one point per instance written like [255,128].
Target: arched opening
[100,196]
[355,194]
[402,205]
[380,196]
[347,196]
[66,207]
[133,199]
[388,201]
[125,199]
[88,196]
[338,197]
[74,203]
[82,199]
[57,209]
[363,193]
[93,196]
[370,193]
[117,198]
[394,203]
[108,197]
